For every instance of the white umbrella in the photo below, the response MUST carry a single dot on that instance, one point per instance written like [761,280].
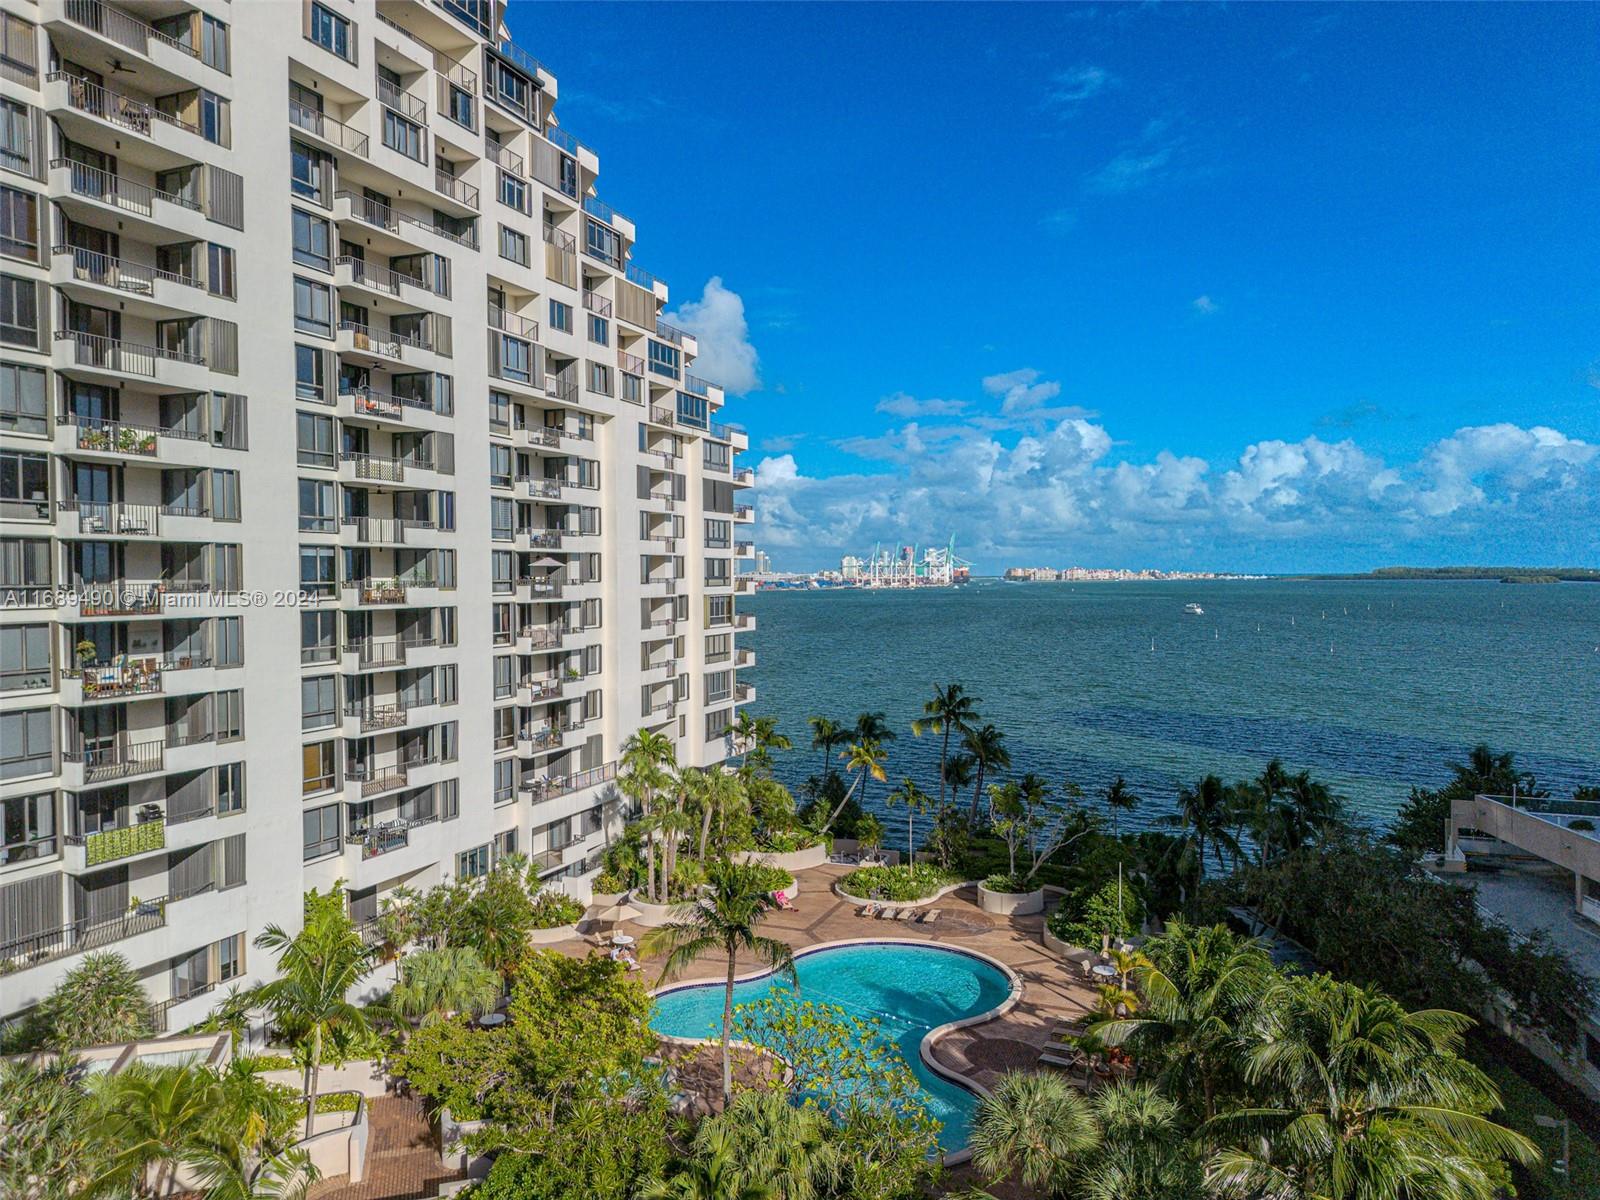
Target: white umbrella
[617,914]
[547,561]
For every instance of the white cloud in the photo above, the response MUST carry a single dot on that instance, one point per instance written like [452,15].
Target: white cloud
[1071,88]
[1057,491]
[1204,305]
[1020,391]
[902,404]
[1144,161]
[718,323]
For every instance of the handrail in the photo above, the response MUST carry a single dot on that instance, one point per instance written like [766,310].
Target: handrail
[403,102]
[93,267]
[563,140]
[115,433]
[328,129]
[696,386]
[670,333]
[631,363]
[384,278]
[601,211]
[98,184]
[596,303]
[122,28]
[560,239]
[381,216]
[503,157]
[458,74]
[127,112]
[641,277]
[509,322]
[131,358]
[530,64]
[84,934]
[458,190]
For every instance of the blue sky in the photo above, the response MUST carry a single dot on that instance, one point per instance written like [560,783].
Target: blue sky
[1267,287]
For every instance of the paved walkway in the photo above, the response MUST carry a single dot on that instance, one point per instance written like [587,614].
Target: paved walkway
[981,1053]
[402,1157]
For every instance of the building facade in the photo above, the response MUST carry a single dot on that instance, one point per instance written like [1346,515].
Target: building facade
[358,504]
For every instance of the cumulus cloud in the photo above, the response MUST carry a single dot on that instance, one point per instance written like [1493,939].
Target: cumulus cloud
[718,323]
[903,405]
[1060,490]
[1204,305]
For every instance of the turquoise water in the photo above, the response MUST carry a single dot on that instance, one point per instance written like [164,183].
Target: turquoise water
[1372,686]
[908,989]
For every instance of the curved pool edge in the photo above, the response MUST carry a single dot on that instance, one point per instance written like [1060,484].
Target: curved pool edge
[925,1047]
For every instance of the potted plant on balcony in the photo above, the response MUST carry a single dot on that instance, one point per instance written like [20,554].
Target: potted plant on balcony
[94,439]
[87,654]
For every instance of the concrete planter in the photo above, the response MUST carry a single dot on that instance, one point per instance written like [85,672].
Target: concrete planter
[652,916]
[939,895]
[1011,904]
[606,899]
[549,937]
[792,860]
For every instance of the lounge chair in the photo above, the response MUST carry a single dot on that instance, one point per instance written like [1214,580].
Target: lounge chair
[888,914]
[863,910]
[906,914]
[1053,1060]
[929,917]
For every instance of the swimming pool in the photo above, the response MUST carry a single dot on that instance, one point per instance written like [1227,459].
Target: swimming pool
[909,988]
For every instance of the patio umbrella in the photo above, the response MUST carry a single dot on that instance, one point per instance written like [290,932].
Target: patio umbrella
[616,915]
[547,561]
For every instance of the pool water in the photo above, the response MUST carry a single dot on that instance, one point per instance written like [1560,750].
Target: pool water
[907,989]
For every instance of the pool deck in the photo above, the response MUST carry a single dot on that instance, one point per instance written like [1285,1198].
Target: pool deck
[980,1053]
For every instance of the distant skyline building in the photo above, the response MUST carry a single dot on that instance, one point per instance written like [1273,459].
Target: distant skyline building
[358,503]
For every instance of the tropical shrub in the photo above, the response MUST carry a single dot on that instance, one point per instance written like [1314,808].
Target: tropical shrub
[605,1150]
[1011,884]
[770,879]
[99,1001]
[1115,909]
[611,881]
[553,909]
[902,883]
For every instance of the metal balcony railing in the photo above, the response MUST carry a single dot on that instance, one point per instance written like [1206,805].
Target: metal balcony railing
[458,190]
[329,130]
[377,716]
[411,107]
[118,758]
[131,520]
[596,303]
[120,27]
[125,112]
[84,934]
[387,836]
[509,322]
[506,159]
[92,183]
[669,333]
[90,266]
[123,358]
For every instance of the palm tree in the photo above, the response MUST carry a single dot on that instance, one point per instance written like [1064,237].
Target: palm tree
[1204,813]
[1360,1098]
[915,800]
[871,727]
[950,711]
[435,983]
[825,735]
[646,759]
[724,920]
[1119,799]
[1200,987]
[1144,1154]
[230,1172]
[861,759]
[713,1173]
[152,1116]
[786,1146]
[960,770]
[317,968]
[99,1001]
[987,747]
[1313,807]
[1036,1125]
[756,739]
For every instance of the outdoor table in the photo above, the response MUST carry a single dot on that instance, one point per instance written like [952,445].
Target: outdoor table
[1104,970]
[491,1020]
[622,939]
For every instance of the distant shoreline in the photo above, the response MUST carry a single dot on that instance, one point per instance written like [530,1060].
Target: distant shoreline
[1511,575]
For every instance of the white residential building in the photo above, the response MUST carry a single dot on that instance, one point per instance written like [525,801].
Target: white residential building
[358,505]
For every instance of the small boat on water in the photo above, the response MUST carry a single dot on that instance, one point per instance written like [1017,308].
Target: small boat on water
[1194,610]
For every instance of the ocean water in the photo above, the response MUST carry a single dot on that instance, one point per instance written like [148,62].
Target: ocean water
[1372,686]
[907,989]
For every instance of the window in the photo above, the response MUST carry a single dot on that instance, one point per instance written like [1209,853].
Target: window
[502,519]
[310,377]
[514,192]
[19,312]
[499,412]
[26,747]
[602,243]
[24,563]
[632,388]
[311,241]
[24,485]
[313,307]
[214,123]
[316,507]
[219,271]
[317,771]
[230,950]
[472,863]
[599,330]
[214,43]
[16,134]
[600,378]
[313,440]
[229,642]
[24,657]
[225,495]
[230,716]
[560,316]
[317,637]
[719,534]
[23,408]
[568,180]
[505,780]
[458,106]
[719,646]
[505,683]
[330,31]
[19,224]
[719,686]
[402,136]
[513,246]
[516,359]
[308,168]
[500,466]
[321,826]
[230,788]
[719,455]
[664,359]
[318,704]
[30,828]
[717,723]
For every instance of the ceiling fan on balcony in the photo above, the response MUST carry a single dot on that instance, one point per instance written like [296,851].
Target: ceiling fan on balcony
[118,69]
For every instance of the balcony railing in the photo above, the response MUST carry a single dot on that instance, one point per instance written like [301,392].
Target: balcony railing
[84,934]
[508,322]
[379,279]
[744,512]
[90,266]
[641,277]
[372,654]
[125,112]
[118,759]
[403,102]
[390,835]
[601,211]
[128,520]
[381,591]
[541,637]
[123,358]
[506,159]
[383,531]
[329,130]
[375,780]
[95,184]
[550,786]
[744,475]
[377,716]
[596,303]
[110,845]
[120,27]
[118,682]
[383,470]
[669,333]
[458,190]
[662,416]
[696,386]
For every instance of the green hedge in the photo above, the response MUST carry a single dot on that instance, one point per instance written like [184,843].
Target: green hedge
[552,909]
[897,883]
[1083,920]
[771,879]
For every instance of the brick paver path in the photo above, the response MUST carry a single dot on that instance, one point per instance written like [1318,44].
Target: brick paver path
[402,1157]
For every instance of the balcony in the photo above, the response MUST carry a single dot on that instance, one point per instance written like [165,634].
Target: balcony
[744,658]
[744,512]
[539,691]
[374,717]
[113,845]
[744,622]
[551,786]
[458,190]
[744,477]
[357,273]
[385,838]
[505,159]
[120,759]
[512,323]
[122,681]
[118,520]
[374,779]
[150,212]
[374,531]
[744,549]
[375,468]
[549,860]
[122,440]
[336,134]
[115,360]
[385,591]
[82,935]
[372,654]
[631,364]
[128,113]
[596,303]
[544,539]
[534,639]
[536,739]
[744,693]
[152,291]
